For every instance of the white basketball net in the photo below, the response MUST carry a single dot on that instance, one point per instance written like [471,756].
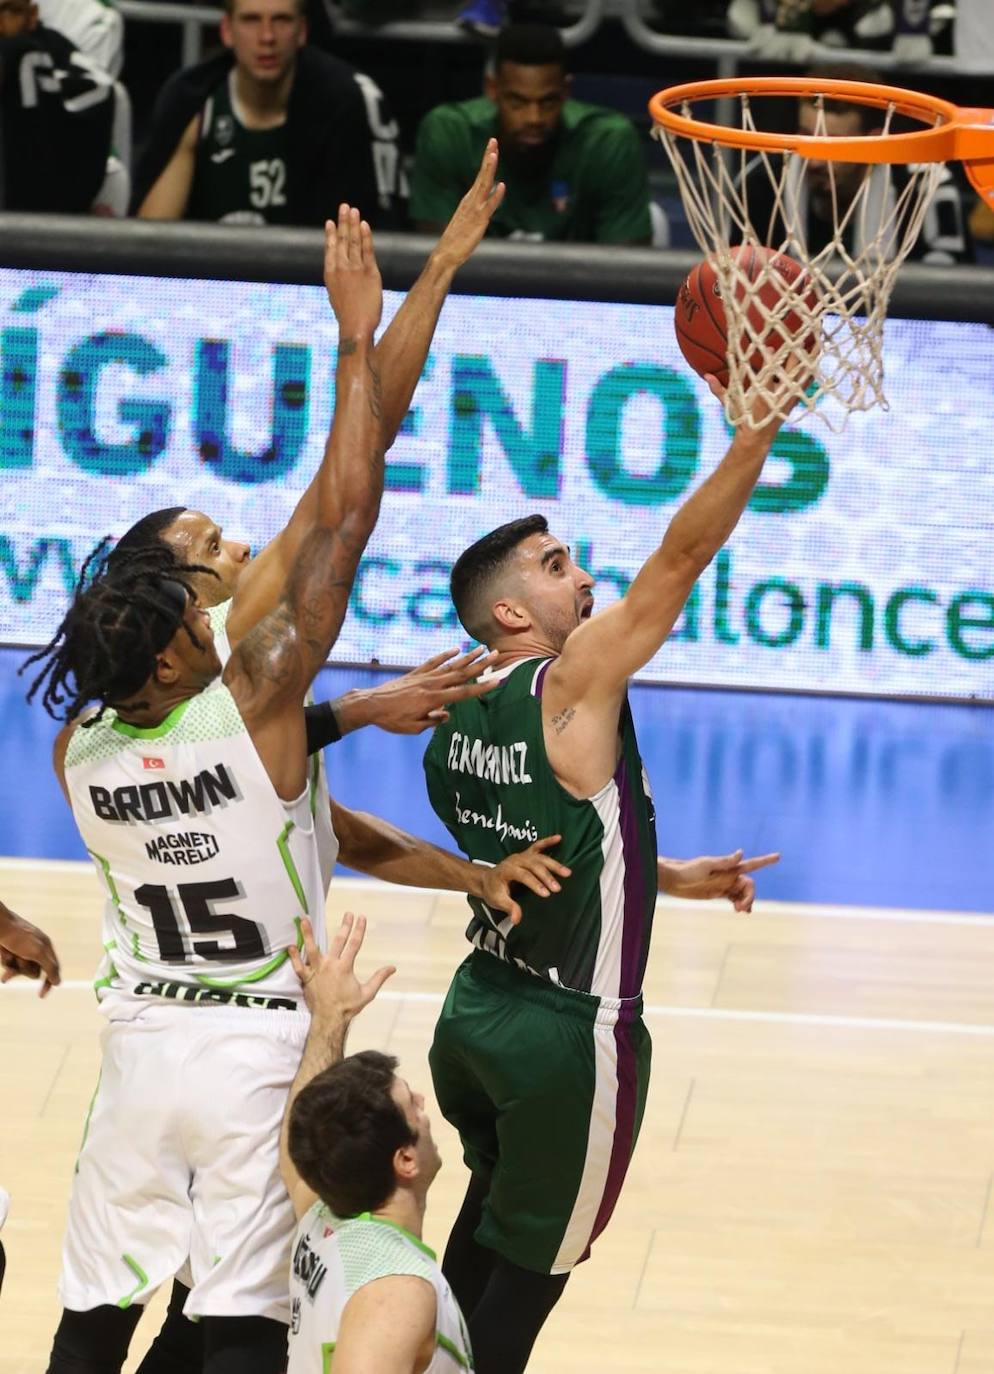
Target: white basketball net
[851,226]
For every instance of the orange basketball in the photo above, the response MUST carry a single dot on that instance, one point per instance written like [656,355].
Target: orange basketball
[699,318]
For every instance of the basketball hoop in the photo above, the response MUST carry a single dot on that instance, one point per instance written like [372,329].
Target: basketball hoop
[743,186]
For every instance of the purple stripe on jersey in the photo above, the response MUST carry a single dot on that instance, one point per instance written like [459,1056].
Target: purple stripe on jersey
[624,1127]
[633,933]
[540,678]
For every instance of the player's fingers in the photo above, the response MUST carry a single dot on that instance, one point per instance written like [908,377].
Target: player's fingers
[342,234]
[546,842]
[372,986]
[366,244]
[742,894]
[496,196]
[46,988]
[355,238]
[763,861]
[430,664]
[466,691]
[337,942]
[514,913]
[310,945]
[715,387]
[724,862]
[47,961]
[488,166]
[543,872]
[299,967]
[355,938]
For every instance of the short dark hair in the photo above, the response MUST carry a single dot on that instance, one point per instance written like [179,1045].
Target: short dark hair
[301,7]
[531,45]
[119,620]
[345,1128]
[870,116]
[147,532]
[476,568]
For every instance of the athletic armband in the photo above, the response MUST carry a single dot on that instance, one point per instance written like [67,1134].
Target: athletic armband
[322,726]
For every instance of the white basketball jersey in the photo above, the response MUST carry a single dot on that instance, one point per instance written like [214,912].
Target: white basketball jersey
[208,872]
[320,802]
[332,1259]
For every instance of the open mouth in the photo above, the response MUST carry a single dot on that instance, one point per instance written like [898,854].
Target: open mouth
[587,611]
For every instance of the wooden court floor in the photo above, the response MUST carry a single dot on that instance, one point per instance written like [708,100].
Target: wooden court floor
[812,1190]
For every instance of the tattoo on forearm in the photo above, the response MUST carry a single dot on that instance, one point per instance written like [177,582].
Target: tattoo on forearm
[346,347]
[560,722]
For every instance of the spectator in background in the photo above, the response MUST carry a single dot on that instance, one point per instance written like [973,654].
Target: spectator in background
[944,238]
[573,171]
[271,132]
[93,26]
[787,30]
[56,114]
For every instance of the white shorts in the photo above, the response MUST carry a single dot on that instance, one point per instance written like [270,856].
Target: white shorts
[180,1160]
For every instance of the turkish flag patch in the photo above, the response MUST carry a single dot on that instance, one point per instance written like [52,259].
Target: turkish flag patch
[150,762]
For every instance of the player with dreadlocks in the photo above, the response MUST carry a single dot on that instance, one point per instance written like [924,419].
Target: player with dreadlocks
[194,805]
[168,775]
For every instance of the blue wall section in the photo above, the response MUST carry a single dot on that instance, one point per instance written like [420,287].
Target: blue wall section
[872,803]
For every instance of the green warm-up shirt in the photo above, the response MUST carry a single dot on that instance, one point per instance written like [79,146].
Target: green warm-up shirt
[596,190]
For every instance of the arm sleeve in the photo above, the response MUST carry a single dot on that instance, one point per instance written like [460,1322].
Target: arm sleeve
[437,184]
[322,726]
[623,201]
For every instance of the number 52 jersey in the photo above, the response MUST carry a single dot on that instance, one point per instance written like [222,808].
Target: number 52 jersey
[207,872]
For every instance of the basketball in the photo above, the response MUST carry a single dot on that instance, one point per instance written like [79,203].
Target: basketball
[700,321]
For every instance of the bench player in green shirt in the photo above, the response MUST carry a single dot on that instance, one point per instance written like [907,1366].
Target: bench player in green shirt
[540,1057]
[574,172]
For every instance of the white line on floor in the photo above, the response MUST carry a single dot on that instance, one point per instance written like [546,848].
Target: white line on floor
[744,1014]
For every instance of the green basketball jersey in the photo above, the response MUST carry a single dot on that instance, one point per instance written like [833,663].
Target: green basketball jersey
[596,189]
[490,782]
[239,173]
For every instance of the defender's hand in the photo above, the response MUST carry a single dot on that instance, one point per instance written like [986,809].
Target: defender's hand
[533,868]
[473,214]
[27,952]
[707,876]
[351,274]
[331,989]
[417,700]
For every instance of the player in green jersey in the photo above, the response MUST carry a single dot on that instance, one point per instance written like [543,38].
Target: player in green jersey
[573,171]
[540,1057]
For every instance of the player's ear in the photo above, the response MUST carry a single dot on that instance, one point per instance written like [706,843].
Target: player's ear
[405,1163]
[227,37]
[166,669]
[510,615]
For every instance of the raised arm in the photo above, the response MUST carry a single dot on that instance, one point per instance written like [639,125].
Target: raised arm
[603,652]
[400,357]
[276,662]
[334,997]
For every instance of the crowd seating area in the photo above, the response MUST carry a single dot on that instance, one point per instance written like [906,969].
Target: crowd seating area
[418,54]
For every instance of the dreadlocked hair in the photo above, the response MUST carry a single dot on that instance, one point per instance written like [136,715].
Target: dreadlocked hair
[125,610]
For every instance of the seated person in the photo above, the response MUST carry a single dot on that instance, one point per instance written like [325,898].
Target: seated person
[944,237]
[271,132]
[94,26]
[56,114]
[573,171]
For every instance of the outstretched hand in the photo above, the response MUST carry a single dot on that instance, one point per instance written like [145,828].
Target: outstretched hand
[331,989]
[415,701]
[708,876]
[27,952]
[351,274]
[473,214]
[532,867]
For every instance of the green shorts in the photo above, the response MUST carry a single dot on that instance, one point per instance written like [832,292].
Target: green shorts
[546,1088]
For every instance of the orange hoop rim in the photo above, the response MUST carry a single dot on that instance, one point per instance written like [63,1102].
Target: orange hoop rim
[956,133]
